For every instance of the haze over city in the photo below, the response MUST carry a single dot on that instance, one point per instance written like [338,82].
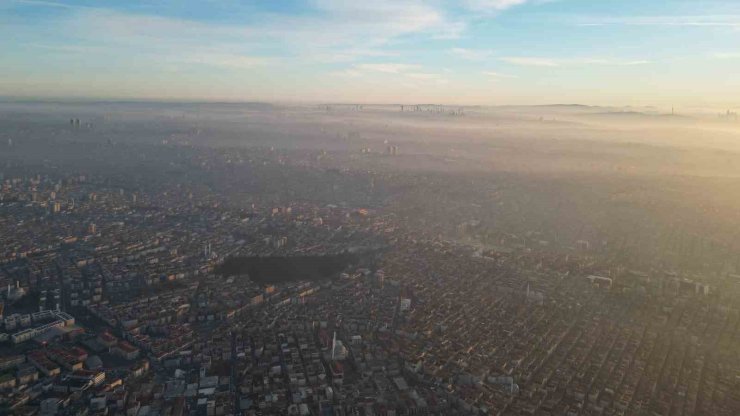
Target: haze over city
[391,208]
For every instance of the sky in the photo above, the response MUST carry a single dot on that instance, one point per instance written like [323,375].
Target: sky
[602,52]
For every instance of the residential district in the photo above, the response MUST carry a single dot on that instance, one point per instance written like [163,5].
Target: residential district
[113,304]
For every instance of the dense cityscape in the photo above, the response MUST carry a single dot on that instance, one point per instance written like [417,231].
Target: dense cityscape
[369,208]
[113,234]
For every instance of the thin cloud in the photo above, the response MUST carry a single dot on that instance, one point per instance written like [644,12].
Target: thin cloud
[530,61]
[554,62]
[632,63]
[498,75]
[349,73]
[493,5]
[408,73]
[47,4]
[389,68]
[226,60]
[726,55]
[471,54]
[351,55]
[339,31]
[731,21]
[423,76]
[379,21]
[450,30]
[65,48]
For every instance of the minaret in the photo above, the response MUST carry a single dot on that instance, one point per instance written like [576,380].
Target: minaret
[333,345]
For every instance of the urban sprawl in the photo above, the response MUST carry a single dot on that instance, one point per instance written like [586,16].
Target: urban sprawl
[111,303]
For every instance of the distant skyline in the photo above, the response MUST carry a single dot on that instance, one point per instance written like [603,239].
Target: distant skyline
[610,52]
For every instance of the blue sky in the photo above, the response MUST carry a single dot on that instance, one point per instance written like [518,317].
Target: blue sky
[619,52]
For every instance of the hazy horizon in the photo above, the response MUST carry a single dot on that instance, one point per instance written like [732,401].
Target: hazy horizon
[708,111]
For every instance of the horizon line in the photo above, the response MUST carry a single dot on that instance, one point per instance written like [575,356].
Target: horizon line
[159,100]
